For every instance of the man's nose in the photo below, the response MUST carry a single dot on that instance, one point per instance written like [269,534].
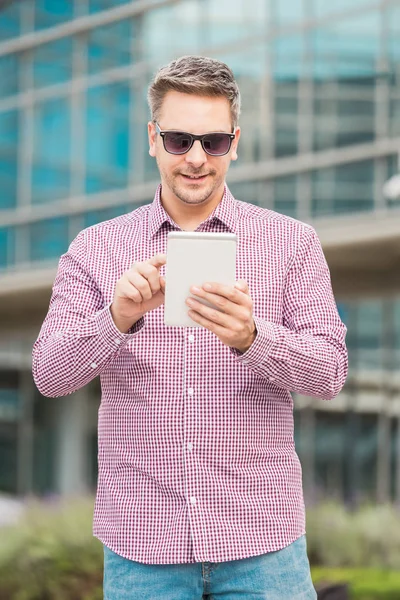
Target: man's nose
[196,155]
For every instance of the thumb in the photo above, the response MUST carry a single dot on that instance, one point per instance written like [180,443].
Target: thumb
[162,284]
[158,260]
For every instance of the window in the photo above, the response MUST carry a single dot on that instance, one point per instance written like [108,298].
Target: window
[347,48]
[7,247]
[175,30]
[10,21]
[344,112]
[52,63]
[107,137]
[109,46]
[392,17]
[285,195]
[354,190]
[285,122]
[346,454]
[99,5]
[9,73]
[287,55]
[365,451]
[323,8]
[246,191]
[49,239]
[50,13]
[369,334]
[51,151]
[343,189]
[330,453]
[8,159]
[287,12]
[356,116]
[323,192]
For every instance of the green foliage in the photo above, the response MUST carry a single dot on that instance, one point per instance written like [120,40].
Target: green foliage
[365,584]
[368,537]
[51,554]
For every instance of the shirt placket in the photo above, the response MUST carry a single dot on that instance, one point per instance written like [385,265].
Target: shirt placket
[191,399]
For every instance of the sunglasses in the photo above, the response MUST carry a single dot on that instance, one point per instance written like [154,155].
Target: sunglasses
[180,142]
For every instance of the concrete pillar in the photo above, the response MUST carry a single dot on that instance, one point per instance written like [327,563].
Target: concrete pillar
[73,450]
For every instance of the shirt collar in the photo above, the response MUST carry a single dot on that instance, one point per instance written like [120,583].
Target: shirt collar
[226,212]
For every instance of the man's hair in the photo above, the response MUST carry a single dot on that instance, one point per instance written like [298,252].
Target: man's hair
[197,75]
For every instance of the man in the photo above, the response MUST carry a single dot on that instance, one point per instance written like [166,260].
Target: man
[199,488]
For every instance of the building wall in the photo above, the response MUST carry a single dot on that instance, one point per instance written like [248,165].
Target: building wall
[318,80]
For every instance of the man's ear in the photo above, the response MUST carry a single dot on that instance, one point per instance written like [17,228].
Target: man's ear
[151,129]
[234,154]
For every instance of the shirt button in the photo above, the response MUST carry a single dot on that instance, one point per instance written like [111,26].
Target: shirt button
[193,500]
[190,391]
[191,339]
[271,379]
[117,341]
[190,446]
[94,365]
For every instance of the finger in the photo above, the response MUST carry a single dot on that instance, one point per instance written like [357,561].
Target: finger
[219,291]
[162,284]
[242,285]
[150,273]
[141,284]
[219,330]
[158,260]
[127,290]
[238,311]
[212,314]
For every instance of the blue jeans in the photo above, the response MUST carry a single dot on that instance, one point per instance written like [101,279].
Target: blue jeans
[281,575]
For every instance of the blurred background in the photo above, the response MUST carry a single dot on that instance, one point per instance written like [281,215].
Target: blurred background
[320,83]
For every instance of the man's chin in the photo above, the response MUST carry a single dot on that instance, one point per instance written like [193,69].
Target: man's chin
[193,197]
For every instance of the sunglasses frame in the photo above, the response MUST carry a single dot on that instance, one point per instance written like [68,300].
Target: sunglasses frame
[163,132]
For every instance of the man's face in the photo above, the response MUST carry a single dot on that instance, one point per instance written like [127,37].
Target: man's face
[197,115]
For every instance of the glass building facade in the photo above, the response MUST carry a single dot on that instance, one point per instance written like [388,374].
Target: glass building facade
[320,125]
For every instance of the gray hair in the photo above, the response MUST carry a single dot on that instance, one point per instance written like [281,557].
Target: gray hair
[197,75]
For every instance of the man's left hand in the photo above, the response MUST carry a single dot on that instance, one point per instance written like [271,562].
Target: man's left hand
[233,323]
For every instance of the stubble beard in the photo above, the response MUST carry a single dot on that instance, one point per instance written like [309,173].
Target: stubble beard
[194,196]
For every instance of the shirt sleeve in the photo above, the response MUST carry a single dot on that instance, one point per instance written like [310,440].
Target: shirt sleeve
[306,354]
[78,339]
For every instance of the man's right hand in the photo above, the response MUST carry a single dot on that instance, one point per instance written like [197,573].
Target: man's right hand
[139,290]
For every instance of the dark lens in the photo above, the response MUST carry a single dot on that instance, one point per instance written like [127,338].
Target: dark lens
[217,143]
[177,143]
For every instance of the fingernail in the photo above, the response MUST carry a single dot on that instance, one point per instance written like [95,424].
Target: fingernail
[196,290]
[207,287]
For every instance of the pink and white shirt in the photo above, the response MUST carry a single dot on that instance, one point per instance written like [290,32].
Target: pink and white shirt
[197,460]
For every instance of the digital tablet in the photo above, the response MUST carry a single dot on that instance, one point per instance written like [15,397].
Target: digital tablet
[194,258]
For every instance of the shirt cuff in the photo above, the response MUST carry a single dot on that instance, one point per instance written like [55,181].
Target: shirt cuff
[261,347]
[110,332]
